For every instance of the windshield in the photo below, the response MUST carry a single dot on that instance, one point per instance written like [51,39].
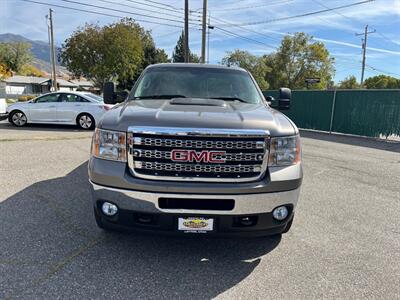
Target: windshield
[94,97]
[174,82]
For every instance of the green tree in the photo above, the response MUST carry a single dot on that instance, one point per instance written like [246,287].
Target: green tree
[349,82]
[382,82]
[254,64]
[298,58]
[178,55]
[119,51]
[15,55]
[30,70]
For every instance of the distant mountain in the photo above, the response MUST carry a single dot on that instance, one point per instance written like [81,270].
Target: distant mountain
[40,51]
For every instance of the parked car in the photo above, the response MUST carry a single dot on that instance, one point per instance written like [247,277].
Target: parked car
[196,149]
[71,108]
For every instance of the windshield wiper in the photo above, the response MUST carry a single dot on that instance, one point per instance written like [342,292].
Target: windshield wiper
[159,97]
[230,99]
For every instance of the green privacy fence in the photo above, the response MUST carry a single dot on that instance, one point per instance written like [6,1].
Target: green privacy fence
[362,112]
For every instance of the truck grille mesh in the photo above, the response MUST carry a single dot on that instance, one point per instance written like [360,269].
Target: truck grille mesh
[241,156]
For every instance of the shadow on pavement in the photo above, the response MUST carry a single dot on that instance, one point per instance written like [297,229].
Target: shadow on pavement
[393,146]
[5,125]
[50,247]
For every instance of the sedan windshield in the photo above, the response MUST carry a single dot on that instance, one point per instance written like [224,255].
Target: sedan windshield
[188,82]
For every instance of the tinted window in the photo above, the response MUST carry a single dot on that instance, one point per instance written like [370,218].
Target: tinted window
[48,98]
[197,83]
[72,98]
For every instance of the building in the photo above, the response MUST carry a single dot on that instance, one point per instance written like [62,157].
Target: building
[29,85]
[20,85]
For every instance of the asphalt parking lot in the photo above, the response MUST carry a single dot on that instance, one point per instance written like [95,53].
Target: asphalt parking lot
[344,243]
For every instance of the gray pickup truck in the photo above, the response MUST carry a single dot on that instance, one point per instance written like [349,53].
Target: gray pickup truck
[196,149]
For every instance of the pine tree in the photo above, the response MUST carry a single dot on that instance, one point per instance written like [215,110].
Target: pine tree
[178,55]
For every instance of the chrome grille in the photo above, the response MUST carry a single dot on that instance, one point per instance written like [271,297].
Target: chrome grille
[202,144]
[228,156]
[243,153]
[197,168]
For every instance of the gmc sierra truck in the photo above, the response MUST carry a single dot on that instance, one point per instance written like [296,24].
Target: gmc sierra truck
[196,149]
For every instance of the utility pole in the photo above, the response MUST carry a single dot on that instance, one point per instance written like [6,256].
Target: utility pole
[208,37]
[52,51]
[364,48]
[186,32]
[203,33]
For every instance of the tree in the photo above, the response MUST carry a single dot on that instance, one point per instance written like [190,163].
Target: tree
[15,55]
[178,55]
[349,82]
[382,82]
[4,72]
[29,70]
[299,58]
[119,51]
[254,64]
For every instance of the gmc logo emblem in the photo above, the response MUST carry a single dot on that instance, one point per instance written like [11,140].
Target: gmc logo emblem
[195,156]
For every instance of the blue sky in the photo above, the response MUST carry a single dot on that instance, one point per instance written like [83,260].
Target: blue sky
[335,28]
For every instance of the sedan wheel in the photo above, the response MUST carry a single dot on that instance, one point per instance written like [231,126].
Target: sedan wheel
[18,119]
[86,121]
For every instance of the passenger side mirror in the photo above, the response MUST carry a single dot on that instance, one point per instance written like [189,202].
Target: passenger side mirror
[285,96]
[109,93]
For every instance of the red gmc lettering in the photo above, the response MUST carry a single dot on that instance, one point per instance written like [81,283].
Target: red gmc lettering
[194,156]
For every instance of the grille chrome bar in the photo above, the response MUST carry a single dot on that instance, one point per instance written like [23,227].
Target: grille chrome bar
[150,154]
[229,157]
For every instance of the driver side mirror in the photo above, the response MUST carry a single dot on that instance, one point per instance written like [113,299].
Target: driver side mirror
[109,93]
[285,95]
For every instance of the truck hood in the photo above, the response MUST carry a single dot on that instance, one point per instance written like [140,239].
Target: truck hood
[197,114]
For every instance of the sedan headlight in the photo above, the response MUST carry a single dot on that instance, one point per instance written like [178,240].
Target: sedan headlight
[107,144]
[284,151]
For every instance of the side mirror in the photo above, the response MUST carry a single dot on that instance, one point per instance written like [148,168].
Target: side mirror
[109,93]
[285,95]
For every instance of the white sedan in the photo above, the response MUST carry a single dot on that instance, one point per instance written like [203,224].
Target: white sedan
[74,108]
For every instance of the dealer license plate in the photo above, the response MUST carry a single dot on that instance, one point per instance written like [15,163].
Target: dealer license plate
[195,224]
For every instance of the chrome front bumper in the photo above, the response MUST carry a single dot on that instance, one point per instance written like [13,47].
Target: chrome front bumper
[148,202]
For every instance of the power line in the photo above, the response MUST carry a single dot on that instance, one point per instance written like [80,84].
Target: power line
[301,15]
[156,6]
[245,29]
[121,11]
[243,37]
[98,13]
[251,6]
[144,9]
[355,20]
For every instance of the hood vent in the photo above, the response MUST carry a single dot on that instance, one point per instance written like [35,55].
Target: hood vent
[197,102]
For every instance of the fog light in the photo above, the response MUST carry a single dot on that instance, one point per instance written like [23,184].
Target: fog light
[109,209]
[280,213]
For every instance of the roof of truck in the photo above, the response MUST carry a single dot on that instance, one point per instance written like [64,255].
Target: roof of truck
[195,65]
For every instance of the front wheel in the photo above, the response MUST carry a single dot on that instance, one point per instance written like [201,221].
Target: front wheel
[85,121]
[18,118]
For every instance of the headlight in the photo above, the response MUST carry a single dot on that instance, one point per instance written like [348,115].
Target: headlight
[284,151]
[107,144]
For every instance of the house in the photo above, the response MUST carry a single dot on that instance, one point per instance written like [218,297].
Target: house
[66,86]
[84,85]
[19,85]
[28,85]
